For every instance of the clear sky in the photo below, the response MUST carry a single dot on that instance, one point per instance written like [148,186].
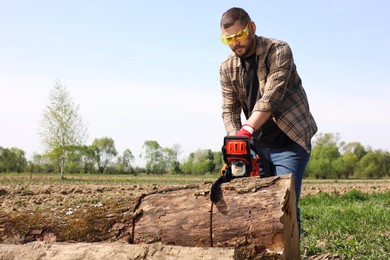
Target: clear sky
[149,70]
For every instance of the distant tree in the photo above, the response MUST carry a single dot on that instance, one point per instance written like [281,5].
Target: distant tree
[349,160]
[321,161]
[154,156]
[186,165]
[320,168]
[175,164]
[356,148]
[12,160]
[104,151]
[385,163]
[139,169]
[172,164]
[345,165]
[124,162]
[327,139]
[61,125]
[177,150]
[370,166]
[325,151]
[37,161]
[111,168]
[19,161]
[340,168]
[128,160]
[199,162]
[87,159]
[43,163]
[4,159]
[74,163]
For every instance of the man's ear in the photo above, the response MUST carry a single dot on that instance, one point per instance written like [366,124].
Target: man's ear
[253,27]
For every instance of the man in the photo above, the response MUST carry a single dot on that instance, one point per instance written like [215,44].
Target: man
[260,79]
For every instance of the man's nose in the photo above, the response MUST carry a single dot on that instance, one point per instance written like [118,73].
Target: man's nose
[235,42]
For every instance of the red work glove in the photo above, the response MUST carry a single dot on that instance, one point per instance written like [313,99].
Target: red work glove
[246,130]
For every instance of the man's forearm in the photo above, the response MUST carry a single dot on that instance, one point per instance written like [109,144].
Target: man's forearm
[258,118]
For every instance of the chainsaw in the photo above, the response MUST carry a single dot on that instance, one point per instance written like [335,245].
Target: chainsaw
[242,159]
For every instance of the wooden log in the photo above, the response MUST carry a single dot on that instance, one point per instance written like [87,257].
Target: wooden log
[256,216]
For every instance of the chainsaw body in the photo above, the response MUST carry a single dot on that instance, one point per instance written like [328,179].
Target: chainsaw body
[240,159]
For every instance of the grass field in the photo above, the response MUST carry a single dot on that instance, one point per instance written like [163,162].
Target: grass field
[354,225]
[349,218]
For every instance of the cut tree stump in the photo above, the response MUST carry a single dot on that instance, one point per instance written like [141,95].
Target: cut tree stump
[256,217]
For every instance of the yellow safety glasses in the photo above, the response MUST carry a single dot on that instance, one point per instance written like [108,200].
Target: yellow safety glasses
[240,36]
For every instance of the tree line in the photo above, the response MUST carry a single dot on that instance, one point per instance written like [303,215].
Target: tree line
[102,157]
[330,159]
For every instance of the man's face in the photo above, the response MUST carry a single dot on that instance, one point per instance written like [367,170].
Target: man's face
[239,38]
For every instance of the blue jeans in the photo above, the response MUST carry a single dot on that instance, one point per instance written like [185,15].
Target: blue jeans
[291,159]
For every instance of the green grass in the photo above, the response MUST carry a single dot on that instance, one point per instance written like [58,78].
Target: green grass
[354,225]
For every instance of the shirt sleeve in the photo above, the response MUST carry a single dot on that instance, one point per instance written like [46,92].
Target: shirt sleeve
[278,64]
[231,109]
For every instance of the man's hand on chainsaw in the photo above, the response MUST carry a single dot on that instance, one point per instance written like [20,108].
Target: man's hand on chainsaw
[246,130]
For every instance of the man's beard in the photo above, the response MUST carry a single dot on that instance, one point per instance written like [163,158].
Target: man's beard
[247,49]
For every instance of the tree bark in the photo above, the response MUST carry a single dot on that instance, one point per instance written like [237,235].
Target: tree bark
[256,216]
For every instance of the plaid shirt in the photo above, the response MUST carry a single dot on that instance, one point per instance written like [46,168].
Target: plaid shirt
[280,87]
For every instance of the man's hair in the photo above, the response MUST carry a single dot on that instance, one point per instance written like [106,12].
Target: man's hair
[233,15]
